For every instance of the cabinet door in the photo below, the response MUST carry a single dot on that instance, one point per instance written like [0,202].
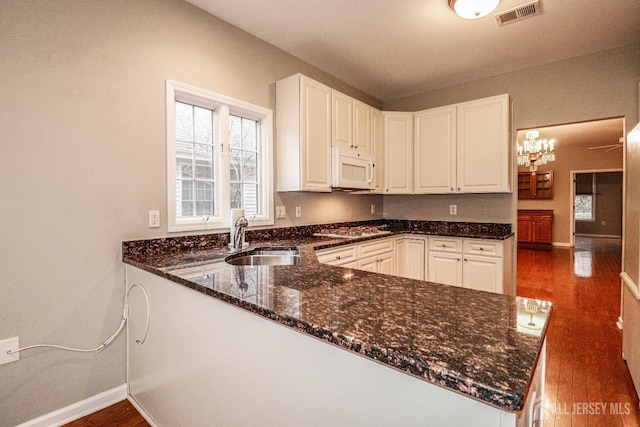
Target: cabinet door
[377,149]
[386,264]
[541,229]
[342,123]
[525,226]
[303,131]
[445,268]
[400,249]
[398,149]
[316,136]
[361,127]
[414,264]
[482,273]
[435,150]
[483,149]
[368,264]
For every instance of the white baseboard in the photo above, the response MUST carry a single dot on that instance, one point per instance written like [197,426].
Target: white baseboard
[141,411]
[79,409]
[606,236]
[561,245]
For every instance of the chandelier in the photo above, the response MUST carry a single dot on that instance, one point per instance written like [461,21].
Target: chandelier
[534,151]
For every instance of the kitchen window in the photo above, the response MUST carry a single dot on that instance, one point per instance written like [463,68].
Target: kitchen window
[219,153]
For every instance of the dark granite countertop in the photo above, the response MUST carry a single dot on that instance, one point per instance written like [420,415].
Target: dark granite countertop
[476,343]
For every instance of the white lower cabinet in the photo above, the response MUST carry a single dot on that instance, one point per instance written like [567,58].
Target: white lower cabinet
[445,268]
[479,264]
[471,263]
[383,263]
[377,256]
[414,262]
[344,256]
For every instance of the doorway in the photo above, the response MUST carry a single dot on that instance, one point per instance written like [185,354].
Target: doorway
[597,203]
[590,146]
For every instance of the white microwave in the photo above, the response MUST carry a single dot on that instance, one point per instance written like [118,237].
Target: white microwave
[352,170]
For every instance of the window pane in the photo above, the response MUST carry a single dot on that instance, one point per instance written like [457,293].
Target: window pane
[194,160]
[203,125]
[250,198]
[243,172]
[235,131]
[184,122]
[249,167]
[235,165]
[584,207]
[236,196]
[249,135]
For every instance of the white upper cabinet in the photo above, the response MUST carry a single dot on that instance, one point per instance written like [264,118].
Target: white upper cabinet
[362,133]
[435,150]
[351,123]
[464,148]
[303,135]
[398,149]
[377,149]
[342,120]
[484,157]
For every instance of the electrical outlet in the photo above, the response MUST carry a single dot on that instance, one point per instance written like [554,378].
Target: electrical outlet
[281,212]
[453,209]
[7,345]
[154,219]
[604,222]
[373,209]
[298,212]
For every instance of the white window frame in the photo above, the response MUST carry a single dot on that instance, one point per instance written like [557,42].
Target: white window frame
[223,107]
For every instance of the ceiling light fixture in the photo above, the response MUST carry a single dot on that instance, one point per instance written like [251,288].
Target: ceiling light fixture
[473,9]
[534,151]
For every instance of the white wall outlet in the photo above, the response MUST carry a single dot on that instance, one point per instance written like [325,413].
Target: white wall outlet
[154,219]
[373,209]
[453,209]
[281,212]
[10,344]
[298,212]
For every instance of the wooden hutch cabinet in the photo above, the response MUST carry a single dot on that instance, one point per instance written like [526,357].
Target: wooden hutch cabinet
[535,185]
[534,228]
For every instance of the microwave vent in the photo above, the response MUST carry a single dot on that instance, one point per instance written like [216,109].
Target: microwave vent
[517,13]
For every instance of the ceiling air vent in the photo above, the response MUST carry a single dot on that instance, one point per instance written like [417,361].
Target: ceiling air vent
[518,13]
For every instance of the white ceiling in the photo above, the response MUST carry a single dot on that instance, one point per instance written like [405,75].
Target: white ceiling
[391,49]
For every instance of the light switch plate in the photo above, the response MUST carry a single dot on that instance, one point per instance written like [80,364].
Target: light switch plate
[298,212]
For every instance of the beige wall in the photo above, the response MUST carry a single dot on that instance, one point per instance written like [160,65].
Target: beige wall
[569,158]
[82,160]
[600,85]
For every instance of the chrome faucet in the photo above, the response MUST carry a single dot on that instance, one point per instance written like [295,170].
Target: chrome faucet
[238,236]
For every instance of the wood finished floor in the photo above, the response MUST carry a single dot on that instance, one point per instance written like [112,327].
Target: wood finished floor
[587,380]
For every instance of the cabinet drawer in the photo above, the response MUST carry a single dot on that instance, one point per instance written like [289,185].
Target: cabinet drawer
[338,256]
[445,244]
[483,247]
[542,218]
[376,247]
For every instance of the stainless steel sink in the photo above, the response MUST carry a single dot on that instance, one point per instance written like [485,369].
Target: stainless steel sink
[266,256]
